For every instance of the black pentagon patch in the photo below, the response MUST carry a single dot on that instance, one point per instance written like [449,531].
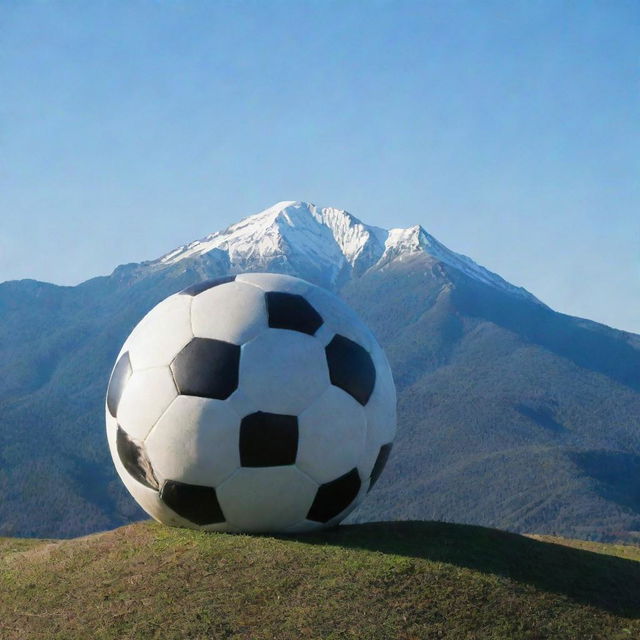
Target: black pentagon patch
[381,460]
[268,440]
[199,287]
[351,368]
[207,368]
[134,459]
[193,502]
[292,311]
[119,377]
[334,497]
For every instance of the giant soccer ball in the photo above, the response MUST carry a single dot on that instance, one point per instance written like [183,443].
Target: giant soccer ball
[256,402]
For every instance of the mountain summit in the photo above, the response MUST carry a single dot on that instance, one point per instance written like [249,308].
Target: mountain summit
[510,414]
[323,244]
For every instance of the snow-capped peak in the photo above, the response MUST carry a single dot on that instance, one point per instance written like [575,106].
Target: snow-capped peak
[325,244]
[401,243]
[332,241]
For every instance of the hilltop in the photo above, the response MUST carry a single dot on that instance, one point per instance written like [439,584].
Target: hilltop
[375,581]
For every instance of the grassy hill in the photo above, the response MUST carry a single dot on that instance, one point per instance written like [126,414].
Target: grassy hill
[410,580]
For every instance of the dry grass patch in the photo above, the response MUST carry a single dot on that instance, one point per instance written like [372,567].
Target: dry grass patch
[378,581]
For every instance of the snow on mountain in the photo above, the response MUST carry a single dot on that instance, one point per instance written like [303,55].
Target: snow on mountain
[326,243]
[401,243]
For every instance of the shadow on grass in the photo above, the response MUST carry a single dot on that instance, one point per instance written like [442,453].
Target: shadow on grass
[606,582]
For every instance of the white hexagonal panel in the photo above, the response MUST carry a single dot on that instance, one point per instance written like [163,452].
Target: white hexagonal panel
[146,396]
[283,371]
[275,282]
[380,412]
[339,318]
[331,435]
[161,334]
[266,499]
[325,334]
[233,312]
[112,427]
[195,441]
[381,407]
[147,498]
[242,404]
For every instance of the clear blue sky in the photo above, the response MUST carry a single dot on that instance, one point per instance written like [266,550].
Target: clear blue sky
[509,130]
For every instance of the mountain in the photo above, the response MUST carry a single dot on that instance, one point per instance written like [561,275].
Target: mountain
[323,245]
[378,581]
[510,414]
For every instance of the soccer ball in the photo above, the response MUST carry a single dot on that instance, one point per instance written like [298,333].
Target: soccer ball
[256,402]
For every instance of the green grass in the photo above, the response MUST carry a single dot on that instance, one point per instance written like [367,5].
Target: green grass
[411,580]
